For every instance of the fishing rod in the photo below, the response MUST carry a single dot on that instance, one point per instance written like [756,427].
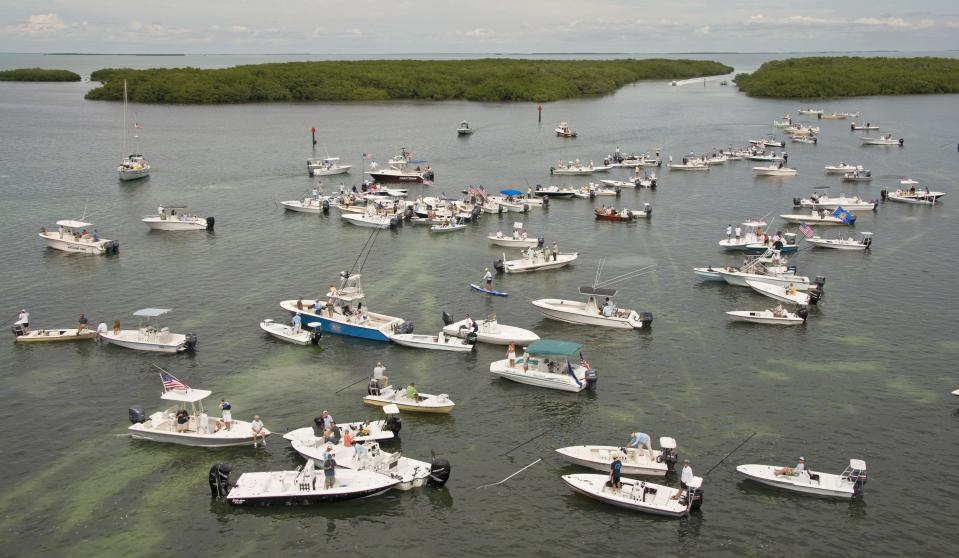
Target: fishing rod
[631,275]
[725,457]
[526,442]
[351,385]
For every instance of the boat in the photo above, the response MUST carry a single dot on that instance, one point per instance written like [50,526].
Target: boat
[881,140]
[801,129]
[133,166]
[707,273]
[594,190]
[619,183]
[764,157]
[842,168]
[846,485]
[775,170]
[382,430]
[834,116]
[810,111]
[788,295]
[857,176]
[688,165]
[909,193]
[73,236]
[535,260]
[399,169]
[574,168]
[868,126]
[769,317]
[488,331]
[554,191]
[809,140]
[768,141]
[768,272]
[422,403]
[644,461]
[286,333]
[784,123]
[821,200]
[591,312]
[784,243]
[448,226]
[817,217]
[638,495]
[23,334]
[464,129]
[173,217]
[300,486]
[564,131]
[315,203]
[863,242]
[369,220]
[344,313]
[162,426]
[326,166]
[520,239]
[438,342]
[476,287]
[149,337]
[611,214]
[545,363]
[750,232]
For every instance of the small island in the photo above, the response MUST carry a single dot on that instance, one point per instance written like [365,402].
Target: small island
[848,76]
[38,74]
[491,80]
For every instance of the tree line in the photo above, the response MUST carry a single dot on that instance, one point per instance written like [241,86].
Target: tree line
[38,74]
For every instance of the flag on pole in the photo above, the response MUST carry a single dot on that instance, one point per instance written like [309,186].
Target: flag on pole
[806,230]
[583,362]
[843,215]
[137,125]
[171,382]
[569,370]
[367,156]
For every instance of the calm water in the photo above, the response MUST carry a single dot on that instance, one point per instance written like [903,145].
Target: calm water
[869,376]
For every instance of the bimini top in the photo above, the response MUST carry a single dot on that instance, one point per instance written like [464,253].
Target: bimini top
[186,395]
[857,464]
[552,347]
[597,292]
[173,206]
[151,312]
[510,192]
[74,224]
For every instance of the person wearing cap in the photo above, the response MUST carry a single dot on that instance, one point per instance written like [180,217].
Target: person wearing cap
[379,374]
[327,420]
[792,471]
[329,469]
[615,470]
[258,431]
[488,277]
[685,478]
[23,319]
[640,439]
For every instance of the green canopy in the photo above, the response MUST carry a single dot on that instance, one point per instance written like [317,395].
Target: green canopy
[552,347]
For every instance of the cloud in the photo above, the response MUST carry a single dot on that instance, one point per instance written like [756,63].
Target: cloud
[480,33]
[39,24]
[896,22]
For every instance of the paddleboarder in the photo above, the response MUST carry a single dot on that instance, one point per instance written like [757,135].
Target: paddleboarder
[488,278]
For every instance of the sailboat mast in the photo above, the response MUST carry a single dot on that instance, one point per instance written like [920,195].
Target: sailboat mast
[125,150]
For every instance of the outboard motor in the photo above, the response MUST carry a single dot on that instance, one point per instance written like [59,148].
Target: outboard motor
[440,470]
[365,187]
[112,247]
[646,318]
[403,327]
[136,415]
[669,456]
[394,221]
[792,269]
[394,424]
[883,194]
[816,293]
[859,479]
[591,379]
[498,265]
[190,341]
[545,202]
[592,194]
[210,221]
[618,191]
[447,318]
[471,339]
[697,497]
[540,242]
[325,206]
[476,211]
[802,312]
[18,330]
[901,142]
[648,209]
[797,202]
[868,243]
[220,480]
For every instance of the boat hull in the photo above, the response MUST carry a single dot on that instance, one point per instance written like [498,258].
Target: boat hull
[133,174]
[161,343]
[338,326]
[579,455]
[409,407]
[659,503]
[764,474]
[174,225]
[87,247]
[430,342]
[573,312]
[513,242]
[763,317]
[55,335]
[190,438]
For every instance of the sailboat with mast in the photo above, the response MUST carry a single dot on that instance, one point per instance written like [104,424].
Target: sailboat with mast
[133,166]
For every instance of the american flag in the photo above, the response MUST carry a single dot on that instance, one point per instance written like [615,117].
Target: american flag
[171,382]
[367,156]
[137,125]
[583,362]
[806,230]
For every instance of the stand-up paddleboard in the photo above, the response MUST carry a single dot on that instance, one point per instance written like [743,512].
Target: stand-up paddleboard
[487,291]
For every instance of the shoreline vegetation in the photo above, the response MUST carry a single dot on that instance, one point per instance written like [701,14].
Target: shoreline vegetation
[488,80]
[38,74]
[848,76]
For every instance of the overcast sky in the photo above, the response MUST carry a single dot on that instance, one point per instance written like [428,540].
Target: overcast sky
[475,26]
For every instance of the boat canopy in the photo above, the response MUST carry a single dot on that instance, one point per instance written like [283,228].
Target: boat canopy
[186,396]
[553,347]
[151,312]
[173,206]
[391,409]
[857,464]
[74,224]
[597,292]
[517,225]
[759,223]
[511,192]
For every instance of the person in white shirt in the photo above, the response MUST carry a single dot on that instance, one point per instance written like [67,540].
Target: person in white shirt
[258,431]
[379,374]
[101,329]
[685,478]
[23,319]
[792,471]
[729,232]
[739,232]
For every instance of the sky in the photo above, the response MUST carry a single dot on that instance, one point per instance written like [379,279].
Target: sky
[475,26]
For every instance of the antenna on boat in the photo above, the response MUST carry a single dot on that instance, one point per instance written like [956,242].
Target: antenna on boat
[626,276]
[365,251]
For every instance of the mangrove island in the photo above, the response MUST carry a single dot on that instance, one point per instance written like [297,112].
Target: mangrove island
[38,74]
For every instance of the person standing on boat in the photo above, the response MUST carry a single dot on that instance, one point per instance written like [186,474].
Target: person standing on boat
[329,471]
[471,324]
[379,374]
[615,470]
[327,421]
[182,420]
[257,426]
[739,232]
[729,232]
[640,439]
[23,319]
[296,323]
[555,250]
[488,278]
[116,327]
[226,413]
[685,478]
[511,354]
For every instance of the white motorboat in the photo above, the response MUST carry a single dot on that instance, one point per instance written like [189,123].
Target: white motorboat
[488,331]
[862,243]
[769,317]
[554,191]
[509,203]
[72,236]
[591,313]
[399,169]
[801,129]
[464,129]
[857,176]
[643,461]
[520,238]
[781,276]
[421,403]
[133,166]
[821,200]
[163,426]
[314,203]
[775,170]
[789,294]
[175,218]
[345,313]
[594,190]
[326,166]
[784,123]
[371,220]
[763,157]
[751,232]
[618,183]
[545,363]
[810,111]
[808,140]
[302,486]
[843,168]
[447,227]
[834,116]
[439,342]
[817,217]
[688,165]
[881,140]
[148,337]
[285,332]
[909,193]
[767,141]
[564,131]
[638,495]
[380,430]
[23,334]
[535,260]
[868,126]
[573,168]
[847,484]
[707,273]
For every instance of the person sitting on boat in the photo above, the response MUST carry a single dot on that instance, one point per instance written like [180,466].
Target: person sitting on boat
[182,420]
[778,311]
[412,394]
[334,434]
[792,471]
[82,324]
[525,236]
[23,319]
[329,471]
[379,374]
[607,309]
[471,324]
[684,479]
